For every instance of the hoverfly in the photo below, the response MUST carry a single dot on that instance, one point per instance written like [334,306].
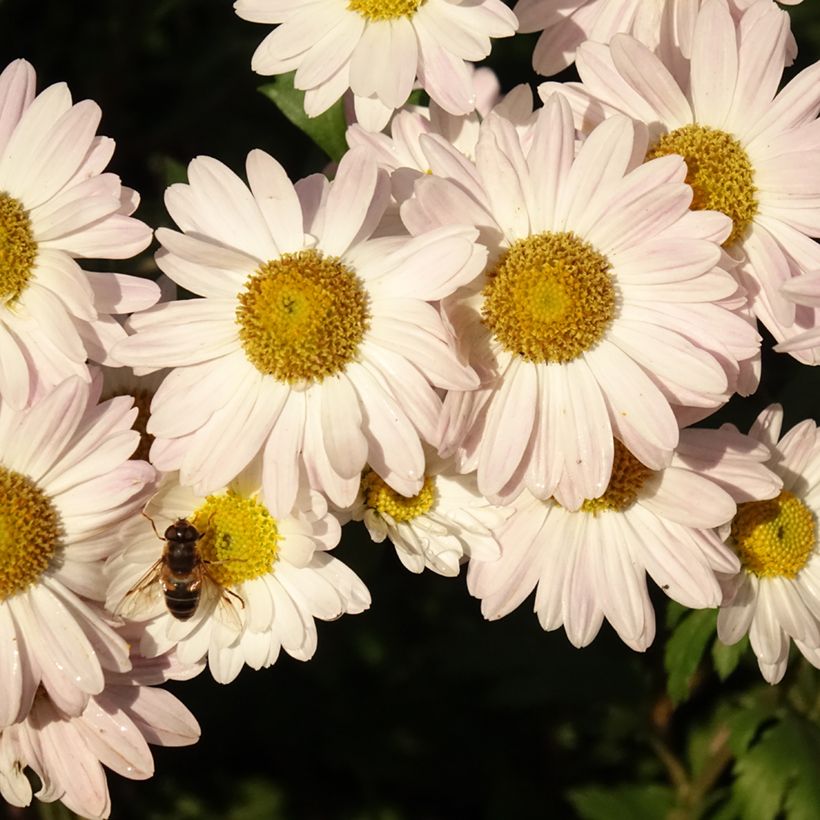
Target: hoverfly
[180,575]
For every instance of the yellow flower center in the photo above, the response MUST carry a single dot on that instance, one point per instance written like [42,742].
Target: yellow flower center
[240,539]
[30,532]
[628,476]
[18,250]
[720,173]
[386,501]
[302,317]
[385,9]
[550,298]
[774,538]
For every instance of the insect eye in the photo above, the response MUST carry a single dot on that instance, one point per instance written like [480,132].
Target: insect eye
[170,533]
[189,533]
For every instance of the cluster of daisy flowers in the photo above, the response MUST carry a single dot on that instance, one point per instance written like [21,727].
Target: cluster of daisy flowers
[487,337]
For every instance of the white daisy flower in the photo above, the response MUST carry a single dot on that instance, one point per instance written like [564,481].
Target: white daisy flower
[378,48]
[67,752]
[776,595]
[665,26]
[592,564]
[314,345]
[56,206]
[66,486]
[263,579]
[440,527]
[600,311]
[751,152]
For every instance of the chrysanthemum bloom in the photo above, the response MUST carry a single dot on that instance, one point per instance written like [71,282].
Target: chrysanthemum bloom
[313,345]
[56,206]
[66,486]
[776,595]
[446,523]
[750,154]
[665,26]
[592,564]
[266,577]
[378,48]
[67,752]
[599,311]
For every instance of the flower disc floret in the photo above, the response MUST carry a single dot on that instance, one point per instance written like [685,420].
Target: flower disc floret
[240,540]
[386,501]
[18,250]
[628,476]
[302,317]
[550,298]
[374,10]
[30,532]
[774,538]
[719,171]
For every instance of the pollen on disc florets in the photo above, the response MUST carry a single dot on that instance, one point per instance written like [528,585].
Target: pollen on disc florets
[18,250]
[375,10]
[302,317]
[774,538]
[719,171]
[628,476]
[550,298]
[30,532]
[386,501]
[240,538]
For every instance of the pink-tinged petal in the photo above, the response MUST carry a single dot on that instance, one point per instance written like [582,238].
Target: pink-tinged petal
[301,30]
[652,80]
[203,280]
[17,86]
[766,427]
[794,451]
[280,471]
[34,171]
[162,719]
[278,11]
[237,221]
[116,237]
[320,98]
[356,196]
[548,598]
[637,410]
[714,67]
[556,47]
[503,186]
[761,59]
[792,614]
[371,113]
[395,451]
[63,277]
[207,252]
[546,463]
[447,162]
[664,259]
[581,613]
[804,290]
[443,75]
[707,505]
[14,370]
[509,426]
[277,200]
[603,160]
[770,268]
[12,673]
[328,55]
[45,313]
[768,640]
[234,434]
[550,159]
[121,293]
[72,209]
[344,441]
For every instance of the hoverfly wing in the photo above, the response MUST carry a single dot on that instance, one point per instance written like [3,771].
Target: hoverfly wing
[144,597]
[228,607]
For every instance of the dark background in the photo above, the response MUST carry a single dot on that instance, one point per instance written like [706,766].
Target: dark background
[418,708]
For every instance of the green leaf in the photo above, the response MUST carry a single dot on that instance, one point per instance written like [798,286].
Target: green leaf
[744,725]
[684,651]
[726,658]
[633,802]
[781,771]
[674,613]
[327,130]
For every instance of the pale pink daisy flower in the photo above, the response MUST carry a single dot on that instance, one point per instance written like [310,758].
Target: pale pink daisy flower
[56,206]
[750,150]
[664,26]
[776,596]
[599,313]
[592,564]
[67,752]
[378,49]
[267,578]
[441,527]
[66,486]
[314,345]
